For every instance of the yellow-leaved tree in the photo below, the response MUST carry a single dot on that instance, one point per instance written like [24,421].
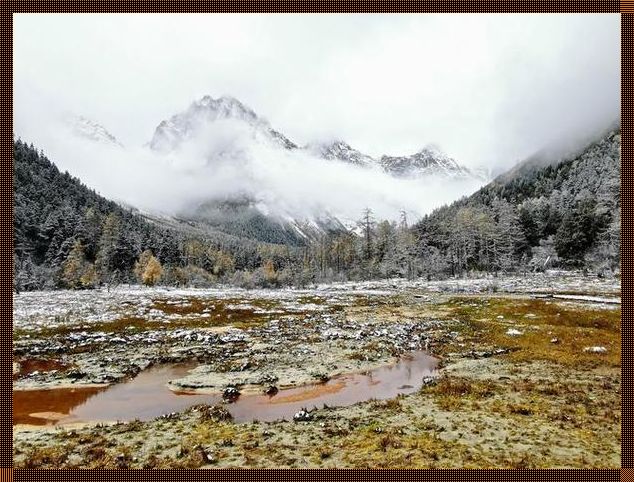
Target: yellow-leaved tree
[148,269]
[77,272]
[270,275]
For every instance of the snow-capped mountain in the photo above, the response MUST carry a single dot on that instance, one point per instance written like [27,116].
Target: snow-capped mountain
[229,171]
[171,133]
[341,151]
[91,130]
[428,161]
[208,119]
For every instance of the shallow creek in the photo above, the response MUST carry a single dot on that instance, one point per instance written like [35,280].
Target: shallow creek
[146,396]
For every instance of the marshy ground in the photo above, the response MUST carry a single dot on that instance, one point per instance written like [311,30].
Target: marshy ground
[524,378]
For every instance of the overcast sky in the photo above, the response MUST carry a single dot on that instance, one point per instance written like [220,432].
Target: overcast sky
[487,89]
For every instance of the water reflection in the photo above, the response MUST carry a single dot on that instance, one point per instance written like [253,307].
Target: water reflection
[146,396]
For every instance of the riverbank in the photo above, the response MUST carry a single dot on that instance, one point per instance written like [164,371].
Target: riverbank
[525,380]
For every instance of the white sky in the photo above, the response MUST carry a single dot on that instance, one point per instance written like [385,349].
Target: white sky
[488,89]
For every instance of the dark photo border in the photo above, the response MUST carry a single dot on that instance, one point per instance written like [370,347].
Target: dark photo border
[8,8]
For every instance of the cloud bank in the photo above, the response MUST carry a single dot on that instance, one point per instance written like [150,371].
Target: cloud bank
[489,90]
[226,162]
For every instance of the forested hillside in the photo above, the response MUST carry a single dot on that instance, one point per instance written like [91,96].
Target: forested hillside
[565,214]
[67,235]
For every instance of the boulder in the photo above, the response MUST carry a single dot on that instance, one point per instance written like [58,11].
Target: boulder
[231,394]
[302,416]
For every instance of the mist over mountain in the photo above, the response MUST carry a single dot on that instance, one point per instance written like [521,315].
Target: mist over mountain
[223,126]
[264,169]
[218,161]
[562,213]
[90,130]
[188,125]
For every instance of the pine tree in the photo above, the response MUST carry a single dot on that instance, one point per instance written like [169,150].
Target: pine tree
[510,237]
[108,246]
[367,224]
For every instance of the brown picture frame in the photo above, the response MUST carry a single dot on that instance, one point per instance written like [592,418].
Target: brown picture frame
[9,7]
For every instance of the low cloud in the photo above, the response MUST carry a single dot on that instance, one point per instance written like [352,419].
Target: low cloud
[489,89]
[227,163]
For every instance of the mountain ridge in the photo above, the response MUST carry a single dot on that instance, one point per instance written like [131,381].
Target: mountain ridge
[90,130]
[172,133]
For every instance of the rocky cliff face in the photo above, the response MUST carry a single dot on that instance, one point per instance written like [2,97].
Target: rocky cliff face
[173,132]
[88,129]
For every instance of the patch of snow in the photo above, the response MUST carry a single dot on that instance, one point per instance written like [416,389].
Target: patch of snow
[595,349]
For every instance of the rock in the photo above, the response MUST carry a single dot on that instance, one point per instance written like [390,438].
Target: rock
[75,374]
[427,381]
[268,379]
[231,393]
[513,332]
[271,390]
[203,456]
[302,416]
[554,341]
[322,377]
[213,412]
[169,416]
[487,354]
[595,349]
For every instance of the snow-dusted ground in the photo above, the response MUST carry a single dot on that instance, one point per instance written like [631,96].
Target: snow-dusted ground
[37,309]
[549,282]
[300,337]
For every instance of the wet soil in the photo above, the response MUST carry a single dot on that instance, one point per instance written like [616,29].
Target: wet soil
[523,382]
[146,396]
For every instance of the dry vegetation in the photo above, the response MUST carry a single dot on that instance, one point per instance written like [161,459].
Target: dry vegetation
[556,332]
[542,402]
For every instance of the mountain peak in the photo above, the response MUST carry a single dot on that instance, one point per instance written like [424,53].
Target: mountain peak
[202,113]
[340,150]
[88,129]
[431,149]
[227,106]
[430,160]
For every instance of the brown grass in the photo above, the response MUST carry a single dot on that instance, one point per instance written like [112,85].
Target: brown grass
[574,326]
[452,392]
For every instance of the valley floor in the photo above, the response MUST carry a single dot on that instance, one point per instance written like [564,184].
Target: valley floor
[529,375]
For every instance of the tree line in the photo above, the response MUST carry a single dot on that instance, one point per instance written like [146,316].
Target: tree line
[559,215]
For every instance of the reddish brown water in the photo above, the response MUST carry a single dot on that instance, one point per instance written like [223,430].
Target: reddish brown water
[146,396]
[37,365]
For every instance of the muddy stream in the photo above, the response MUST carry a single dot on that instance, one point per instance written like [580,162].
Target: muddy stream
[146,396]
